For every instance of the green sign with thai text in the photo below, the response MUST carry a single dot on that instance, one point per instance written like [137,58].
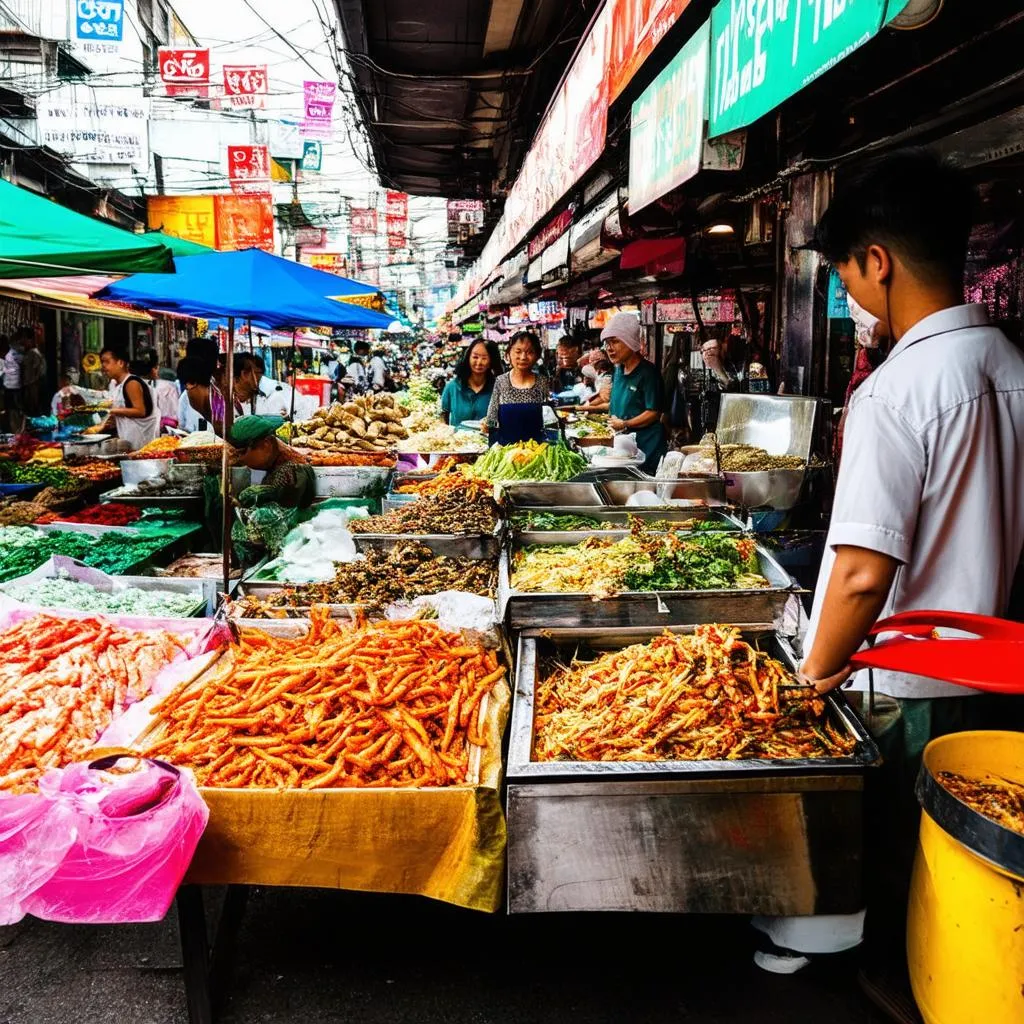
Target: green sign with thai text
[764,51]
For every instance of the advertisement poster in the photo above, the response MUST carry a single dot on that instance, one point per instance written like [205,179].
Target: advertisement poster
[249,169]
[396,206]
[245,86]
[312,155]
[190,217]
[185,72]
[99,21]
[245,222]
[103,125]
[666,139]
[362,220]
[637,28]
[319,109]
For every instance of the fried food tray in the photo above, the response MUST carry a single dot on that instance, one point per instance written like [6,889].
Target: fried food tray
[540,649]
[619,521]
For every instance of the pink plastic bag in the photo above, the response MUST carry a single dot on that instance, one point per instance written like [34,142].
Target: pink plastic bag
[133,838]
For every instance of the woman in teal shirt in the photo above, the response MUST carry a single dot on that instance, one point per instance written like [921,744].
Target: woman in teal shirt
[637,401]
[468,394]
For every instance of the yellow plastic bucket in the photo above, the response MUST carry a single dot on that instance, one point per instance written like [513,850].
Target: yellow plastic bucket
[965,928]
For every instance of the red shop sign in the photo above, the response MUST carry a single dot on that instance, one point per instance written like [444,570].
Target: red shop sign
[249,168]
[245,222]
[245,85]
[185,72]
[551,232]
[362,220]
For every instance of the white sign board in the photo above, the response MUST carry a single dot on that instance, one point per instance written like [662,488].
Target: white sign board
[95,125]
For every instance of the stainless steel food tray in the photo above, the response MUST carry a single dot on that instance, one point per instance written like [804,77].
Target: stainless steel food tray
[618,520]
[698,490]
[554,495]
[473,545]
[566,641]
[780,424]
[189,502]
[744,837]
[528,610]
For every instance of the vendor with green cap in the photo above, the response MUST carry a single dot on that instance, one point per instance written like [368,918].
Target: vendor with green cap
[289,481]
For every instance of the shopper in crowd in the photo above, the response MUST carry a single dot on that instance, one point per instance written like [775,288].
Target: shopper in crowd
[246,382]
[273,398]
[33,374]
[516,407]
[12,382]
[165,394]
[567,363]
[133,415]
[467,396]
[204,400]
[205,351]
[928,512]
[357,365]
[377,372]
[636,402]
[599,375]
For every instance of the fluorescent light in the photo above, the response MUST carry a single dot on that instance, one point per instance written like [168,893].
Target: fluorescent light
[721,229]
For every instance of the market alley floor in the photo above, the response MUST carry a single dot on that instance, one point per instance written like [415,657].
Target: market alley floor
[312,957]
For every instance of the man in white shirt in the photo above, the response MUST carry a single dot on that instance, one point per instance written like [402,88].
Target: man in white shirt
[377,372]
[929,504]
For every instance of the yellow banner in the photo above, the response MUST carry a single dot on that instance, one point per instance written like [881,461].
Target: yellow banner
[189,217]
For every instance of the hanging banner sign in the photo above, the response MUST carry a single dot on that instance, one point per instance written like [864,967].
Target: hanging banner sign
[396,206]
[316,237]
[193,218]
[551,231]
[95,125]
[245,222]
[362,220]
[100,21]
[312,155]
[319,107]
[395,225]
[330,262]
[245,86]
[396,240]
[666,138]
[763,53]
[637,28]
[185,72]
[286,140]
[249,169]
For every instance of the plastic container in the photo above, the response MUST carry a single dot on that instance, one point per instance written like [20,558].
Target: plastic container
[965,927]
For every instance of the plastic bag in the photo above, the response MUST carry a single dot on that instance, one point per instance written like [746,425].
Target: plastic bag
[472,616]
[132,837]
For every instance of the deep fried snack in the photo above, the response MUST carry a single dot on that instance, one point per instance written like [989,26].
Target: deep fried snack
[705,696]
[388,704]
[1002,801]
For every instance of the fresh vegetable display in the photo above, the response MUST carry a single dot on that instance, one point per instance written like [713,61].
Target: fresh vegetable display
[530,460]
[393,704]
[23,513]
[34,473]
[24,549]
[644,561]
[704,696]
[448,513]
[401,573]
[63,592]
[110,514]
[371,423]
[555,522]
[62,682]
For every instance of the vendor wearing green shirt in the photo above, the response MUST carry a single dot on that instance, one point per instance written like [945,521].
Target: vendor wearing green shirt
[467,396]
[289,481]
[637,401]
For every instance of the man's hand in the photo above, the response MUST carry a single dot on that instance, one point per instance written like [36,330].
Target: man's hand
[824,686]
[616,424]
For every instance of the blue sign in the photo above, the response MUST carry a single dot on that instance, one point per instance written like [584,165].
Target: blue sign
[312,155]
[838,309]
[99,21]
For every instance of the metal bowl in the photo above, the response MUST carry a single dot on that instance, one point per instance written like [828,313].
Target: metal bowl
[773,488]
[134,471]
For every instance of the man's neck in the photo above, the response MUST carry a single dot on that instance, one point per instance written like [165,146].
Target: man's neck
[630,363]
[911,310]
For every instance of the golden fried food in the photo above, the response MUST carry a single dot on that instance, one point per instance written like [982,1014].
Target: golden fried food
[1002,801]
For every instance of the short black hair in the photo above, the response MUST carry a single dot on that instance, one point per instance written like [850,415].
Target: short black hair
[568,341]
[911,202]
[243,361]
[205,349]
[462,370]
[530,338]
[361,346]
[117,352]
[193,370]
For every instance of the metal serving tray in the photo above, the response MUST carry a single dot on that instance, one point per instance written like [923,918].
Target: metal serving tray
[472,545]
[700,490]
[554,495]
[618,520]
[529,610]
[745,837]
[780,424]
[184,501]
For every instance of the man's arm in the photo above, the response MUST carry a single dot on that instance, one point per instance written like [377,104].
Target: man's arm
[857,589]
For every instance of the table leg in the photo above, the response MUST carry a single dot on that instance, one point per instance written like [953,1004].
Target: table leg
[195,953]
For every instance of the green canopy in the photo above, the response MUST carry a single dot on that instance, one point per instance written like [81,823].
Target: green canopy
[40,238]
[178,246]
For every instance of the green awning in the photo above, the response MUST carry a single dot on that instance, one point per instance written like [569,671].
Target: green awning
[40,238]
[178,246]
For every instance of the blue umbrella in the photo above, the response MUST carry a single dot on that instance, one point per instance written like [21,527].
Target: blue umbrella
[251,285]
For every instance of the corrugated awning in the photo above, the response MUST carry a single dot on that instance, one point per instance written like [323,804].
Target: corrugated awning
[72,294]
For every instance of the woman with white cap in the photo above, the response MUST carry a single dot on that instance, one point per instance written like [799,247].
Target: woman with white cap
[637,400]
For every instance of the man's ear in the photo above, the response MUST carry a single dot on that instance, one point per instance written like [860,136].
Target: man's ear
[878,264]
